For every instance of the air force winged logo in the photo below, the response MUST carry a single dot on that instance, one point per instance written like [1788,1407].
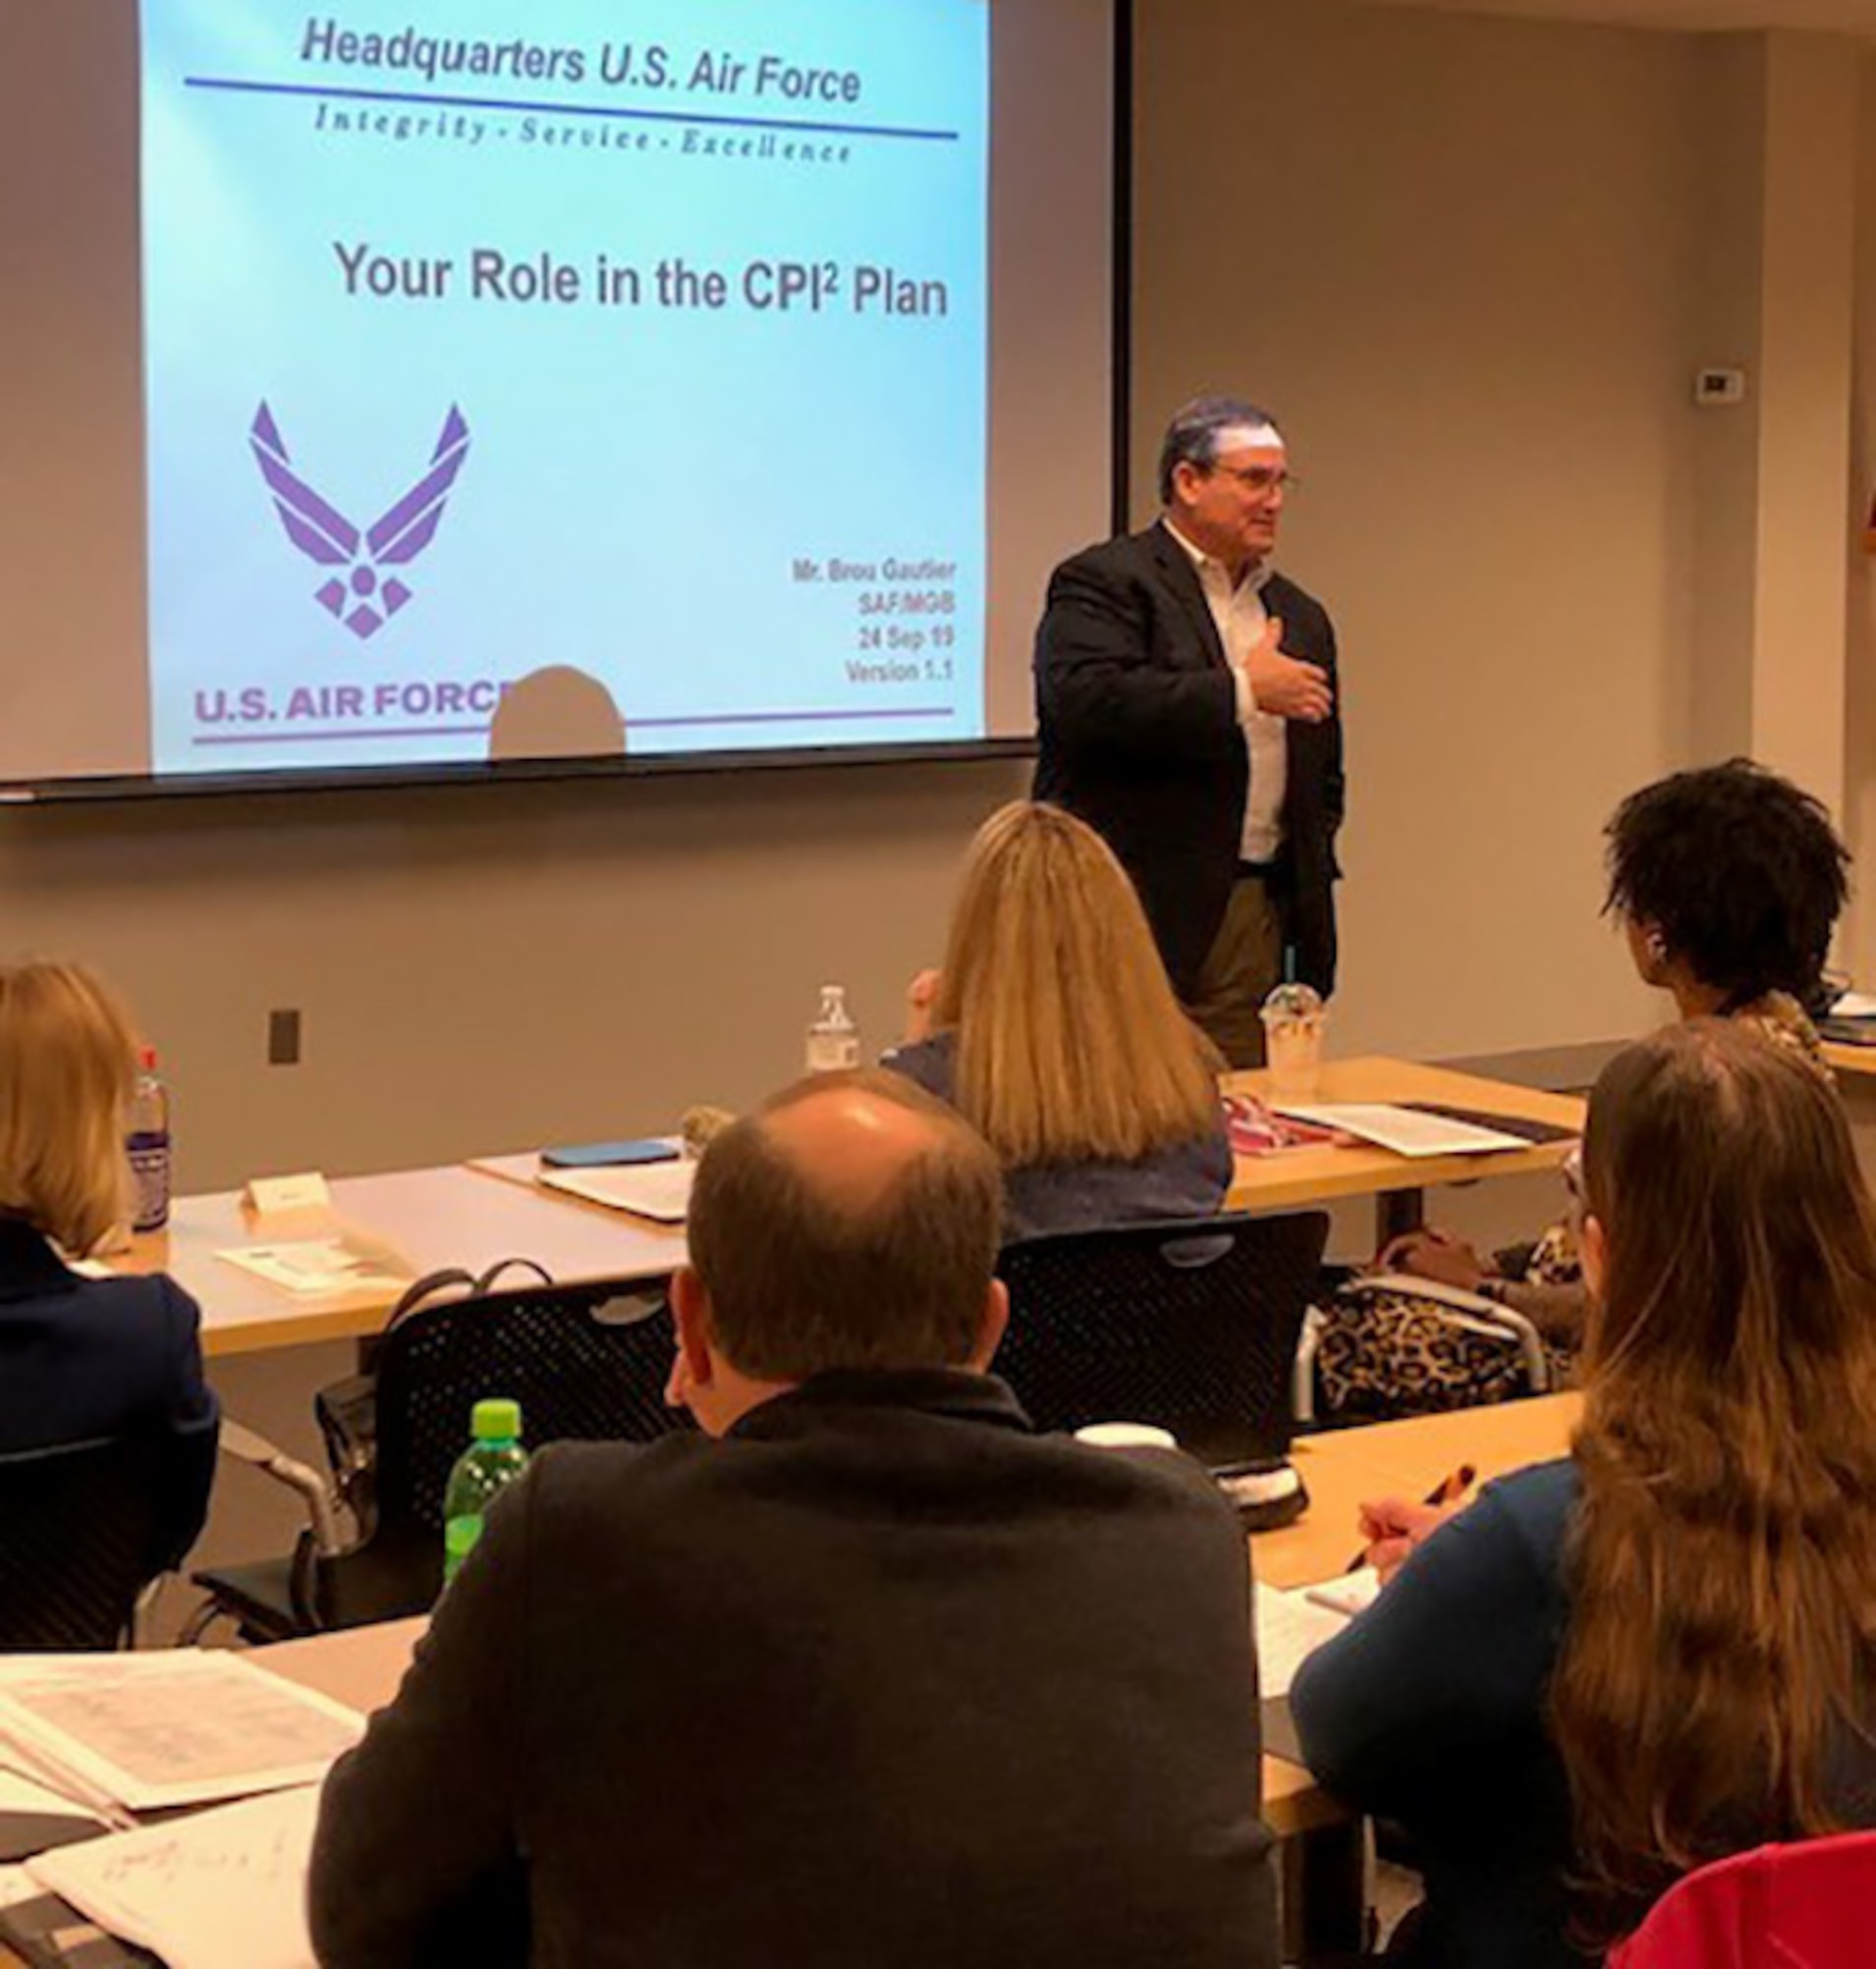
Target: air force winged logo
[360,597]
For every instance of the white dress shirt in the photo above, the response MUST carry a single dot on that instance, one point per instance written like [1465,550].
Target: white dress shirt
[1237,611]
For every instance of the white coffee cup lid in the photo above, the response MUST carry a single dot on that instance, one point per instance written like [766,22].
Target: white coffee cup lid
[1125,1435]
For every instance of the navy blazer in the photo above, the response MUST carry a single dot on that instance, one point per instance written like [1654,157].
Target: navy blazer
[83,1359]
[1138,735]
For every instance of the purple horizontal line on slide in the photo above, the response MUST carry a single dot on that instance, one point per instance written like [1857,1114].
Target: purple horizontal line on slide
[783,717]
[316,737]
[631,724]
[233,86]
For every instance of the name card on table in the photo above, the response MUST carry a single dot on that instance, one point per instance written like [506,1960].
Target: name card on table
[270,1200]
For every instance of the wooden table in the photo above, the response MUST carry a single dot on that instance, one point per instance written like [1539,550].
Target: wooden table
[1855,1060]
[464,1216]
[1301,1178]
[438,1218]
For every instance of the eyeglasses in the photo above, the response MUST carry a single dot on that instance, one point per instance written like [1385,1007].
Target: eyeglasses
[1262,479]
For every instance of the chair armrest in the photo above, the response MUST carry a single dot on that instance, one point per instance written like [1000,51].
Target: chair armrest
[258,1453]
[1530,1342]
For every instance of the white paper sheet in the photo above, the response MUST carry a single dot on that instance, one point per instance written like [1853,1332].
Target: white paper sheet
[23,1797]
[222,1889]
[1406,1130]
[314,1267]
[1353,1593]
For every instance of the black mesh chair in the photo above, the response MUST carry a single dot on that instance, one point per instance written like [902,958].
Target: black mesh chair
[586,1363]
[79,1542]
[1190,1325]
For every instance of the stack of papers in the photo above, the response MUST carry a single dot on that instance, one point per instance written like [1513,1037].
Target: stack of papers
[660,1191]
[223,1889]
[1407,1132]
[147,1732]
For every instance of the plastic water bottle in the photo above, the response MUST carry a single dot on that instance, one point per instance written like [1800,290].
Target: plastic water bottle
[491,1462]
[834,1040]
[148,1145]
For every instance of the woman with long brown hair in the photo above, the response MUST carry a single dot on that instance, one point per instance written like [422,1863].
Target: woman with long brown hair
[1613,1669]
[1054,1029]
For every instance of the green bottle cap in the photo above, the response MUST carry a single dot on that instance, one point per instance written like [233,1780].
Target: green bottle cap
[495,1421]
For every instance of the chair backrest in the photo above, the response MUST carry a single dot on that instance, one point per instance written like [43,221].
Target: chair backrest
[79,1538]
[586,1363]
[1802,1906]
[1189,1325]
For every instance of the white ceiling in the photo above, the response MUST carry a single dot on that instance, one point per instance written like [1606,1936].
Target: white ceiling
[1855,16]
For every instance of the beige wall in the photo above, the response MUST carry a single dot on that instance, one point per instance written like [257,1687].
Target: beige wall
[1860,715]
[1471,262]
[1458,257]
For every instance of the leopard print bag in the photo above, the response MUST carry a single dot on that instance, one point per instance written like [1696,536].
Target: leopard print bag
[1392,1346]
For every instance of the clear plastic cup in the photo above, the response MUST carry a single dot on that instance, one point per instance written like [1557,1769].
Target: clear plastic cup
[1295,1017]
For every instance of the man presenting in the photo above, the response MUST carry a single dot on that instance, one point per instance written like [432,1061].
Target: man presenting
[880,1678]
[1186,698]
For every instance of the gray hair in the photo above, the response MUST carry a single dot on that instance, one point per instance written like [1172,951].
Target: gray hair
[1192,437]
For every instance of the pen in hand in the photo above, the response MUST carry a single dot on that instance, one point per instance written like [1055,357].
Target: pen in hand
[1447,1491]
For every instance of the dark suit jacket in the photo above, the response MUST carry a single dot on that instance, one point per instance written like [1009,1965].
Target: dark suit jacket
[1139,734]
[84,1358]
[881,1678]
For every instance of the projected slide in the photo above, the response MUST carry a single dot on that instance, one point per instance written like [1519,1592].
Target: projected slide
[641,342]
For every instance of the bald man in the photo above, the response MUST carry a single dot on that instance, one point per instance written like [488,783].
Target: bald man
[867,1675]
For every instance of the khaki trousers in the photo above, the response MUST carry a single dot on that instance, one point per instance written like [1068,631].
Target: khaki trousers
[1242,967]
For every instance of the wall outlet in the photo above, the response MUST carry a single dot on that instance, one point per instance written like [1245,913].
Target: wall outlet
[282,1038]
[1720,386]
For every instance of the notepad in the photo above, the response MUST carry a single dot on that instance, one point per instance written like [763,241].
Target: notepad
[222,1889]
[660,1191]
[144,1732]
[1290,1627]
[1406,1131]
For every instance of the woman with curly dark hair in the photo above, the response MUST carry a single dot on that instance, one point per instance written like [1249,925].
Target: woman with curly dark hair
[1727,881]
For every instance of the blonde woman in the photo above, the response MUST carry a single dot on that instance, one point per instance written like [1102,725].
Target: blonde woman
[83,1359]
[1053,1028]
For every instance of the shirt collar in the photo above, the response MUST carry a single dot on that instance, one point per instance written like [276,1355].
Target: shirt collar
[956,1392]
[1254,582]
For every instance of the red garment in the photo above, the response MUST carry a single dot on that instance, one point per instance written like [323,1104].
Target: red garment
[1805,1906]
